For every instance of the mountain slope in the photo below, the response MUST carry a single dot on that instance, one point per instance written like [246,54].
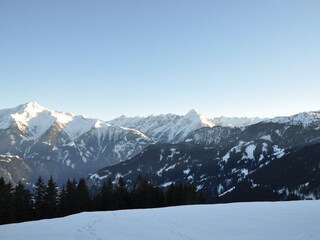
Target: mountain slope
[294,176]
[14,169]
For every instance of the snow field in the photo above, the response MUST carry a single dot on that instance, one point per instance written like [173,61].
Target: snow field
[248,221]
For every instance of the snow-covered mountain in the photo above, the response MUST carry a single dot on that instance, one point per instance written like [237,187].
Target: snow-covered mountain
[214,154]
[63,144]
[236,121]
[172,128]
[306,119]
[251,221]
[165,128]
[220,160]
[33,120]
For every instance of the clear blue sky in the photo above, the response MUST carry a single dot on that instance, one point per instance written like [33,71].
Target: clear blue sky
[107,58]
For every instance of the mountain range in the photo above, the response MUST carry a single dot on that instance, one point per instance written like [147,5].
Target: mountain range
[38,141]
[221,160]
[226,158]
[61,144]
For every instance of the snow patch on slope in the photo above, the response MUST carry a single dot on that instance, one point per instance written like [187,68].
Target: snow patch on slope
[249,152]
[278,152]
[235,149]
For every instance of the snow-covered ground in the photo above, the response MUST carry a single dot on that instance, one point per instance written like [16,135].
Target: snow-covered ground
[248,221]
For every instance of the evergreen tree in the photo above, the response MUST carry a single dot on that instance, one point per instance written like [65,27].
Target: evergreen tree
[192,196]
[6,208]
[83,200]
[107,196]
[141,194]
[39,199]
[182,194]
[171,196]
[22,203]
[63,202]
[51,199]
[144,194]
[122,197]
[18,205]
[156,196]
[70,197]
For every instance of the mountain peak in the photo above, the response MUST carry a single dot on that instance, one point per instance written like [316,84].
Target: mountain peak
[123,116]
[33,104]
[192,114]
[31,107]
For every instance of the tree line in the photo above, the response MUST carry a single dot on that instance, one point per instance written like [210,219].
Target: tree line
[46,200]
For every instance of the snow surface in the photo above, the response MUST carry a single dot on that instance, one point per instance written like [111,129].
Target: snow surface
[250,151]
[267,138]
[296,220]
[78,126]
[187,171]
[278,152]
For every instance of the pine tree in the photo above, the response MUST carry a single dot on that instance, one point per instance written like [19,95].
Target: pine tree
[63,202]
[6,209]
[182,194]
[171,196]
[141,193]
[156,196]
[83,200]
[51,199]
[122,197]
[39,199]
[22,203]
[71,199]
[107,196]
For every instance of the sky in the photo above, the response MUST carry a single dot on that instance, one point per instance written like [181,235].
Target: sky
[106,58]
